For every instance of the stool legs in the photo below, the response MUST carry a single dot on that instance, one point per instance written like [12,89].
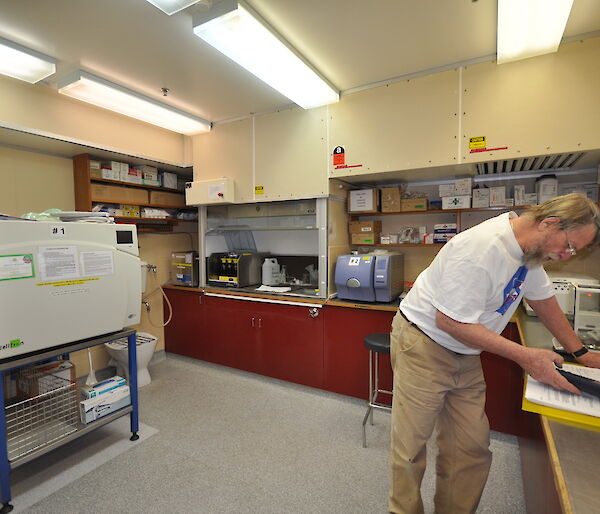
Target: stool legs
[373,393]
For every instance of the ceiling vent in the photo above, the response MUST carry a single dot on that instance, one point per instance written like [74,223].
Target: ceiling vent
[555,162]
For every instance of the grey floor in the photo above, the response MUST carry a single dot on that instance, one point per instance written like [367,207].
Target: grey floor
[225,441]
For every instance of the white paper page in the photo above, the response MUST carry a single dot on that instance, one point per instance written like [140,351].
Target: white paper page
[273,289]
[543,394]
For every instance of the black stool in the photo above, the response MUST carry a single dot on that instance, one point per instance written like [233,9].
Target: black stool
[376,344]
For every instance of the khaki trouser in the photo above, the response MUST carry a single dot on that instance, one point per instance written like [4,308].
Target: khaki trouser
[432,384]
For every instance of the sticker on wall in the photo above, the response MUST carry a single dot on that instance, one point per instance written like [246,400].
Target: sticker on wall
[339,156]
[479,144]
[339,159]
[259,190]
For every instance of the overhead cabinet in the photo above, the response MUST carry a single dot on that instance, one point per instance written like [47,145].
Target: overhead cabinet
[546,105]
[405,125]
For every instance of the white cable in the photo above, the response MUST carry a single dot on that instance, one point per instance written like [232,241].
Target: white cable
[168,303]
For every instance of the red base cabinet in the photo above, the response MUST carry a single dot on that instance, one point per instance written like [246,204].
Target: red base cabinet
[183,335]
[276,340]
[346,360]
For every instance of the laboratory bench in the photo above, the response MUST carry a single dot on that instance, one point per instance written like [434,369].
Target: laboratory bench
[559,460]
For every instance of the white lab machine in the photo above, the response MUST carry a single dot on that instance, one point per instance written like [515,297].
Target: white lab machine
[62,282]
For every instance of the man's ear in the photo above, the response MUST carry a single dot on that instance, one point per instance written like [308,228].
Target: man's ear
[549,223]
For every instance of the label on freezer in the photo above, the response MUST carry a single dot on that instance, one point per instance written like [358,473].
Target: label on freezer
[16,266]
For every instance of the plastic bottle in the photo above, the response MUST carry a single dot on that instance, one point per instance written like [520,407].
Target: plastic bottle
[270,272]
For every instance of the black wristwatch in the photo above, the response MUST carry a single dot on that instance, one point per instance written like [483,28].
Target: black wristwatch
[582,351]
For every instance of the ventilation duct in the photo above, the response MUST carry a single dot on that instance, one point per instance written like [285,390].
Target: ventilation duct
[555,162]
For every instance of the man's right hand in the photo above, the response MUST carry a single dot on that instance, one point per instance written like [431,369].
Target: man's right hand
[540,364]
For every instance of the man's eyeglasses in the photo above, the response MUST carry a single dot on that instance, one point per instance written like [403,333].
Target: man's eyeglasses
[570,249]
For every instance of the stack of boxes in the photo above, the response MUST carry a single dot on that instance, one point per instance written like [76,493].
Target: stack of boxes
[443,232]
[365,232]
[149,175]
[456,195]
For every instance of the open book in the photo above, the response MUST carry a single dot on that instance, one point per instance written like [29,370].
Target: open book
[543,394]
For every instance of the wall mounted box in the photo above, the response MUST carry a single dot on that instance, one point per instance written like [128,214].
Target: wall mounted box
[208,192]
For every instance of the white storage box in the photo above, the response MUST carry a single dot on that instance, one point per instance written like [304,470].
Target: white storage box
[446,190]
[481,197]
[104,387]
[94,408]
[463,186]
[519,194]
[498,196]
[456,202]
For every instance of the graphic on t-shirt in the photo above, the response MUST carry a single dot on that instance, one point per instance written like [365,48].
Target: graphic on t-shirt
[513,289]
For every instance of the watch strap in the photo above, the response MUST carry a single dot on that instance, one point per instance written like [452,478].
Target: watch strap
[582,351]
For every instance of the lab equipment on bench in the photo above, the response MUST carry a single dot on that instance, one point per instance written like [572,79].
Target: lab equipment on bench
[370,277]
[184,269]
[62,282]
[234,269]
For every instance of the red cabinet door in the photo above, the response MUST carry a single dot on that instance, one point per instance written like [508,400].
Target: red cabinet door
[290,342]
[183,333]
[346,360]
[504,383]
[230,333]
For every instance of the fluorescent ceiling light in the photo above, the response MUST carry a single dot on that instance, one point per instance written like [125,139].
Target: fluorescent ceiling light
[172,6]
[24,64]
[89,88]
[527,28]
[236,30]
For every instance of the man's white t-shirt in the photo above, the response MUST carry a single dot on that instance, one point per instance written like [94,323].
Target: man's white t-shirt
[477,277]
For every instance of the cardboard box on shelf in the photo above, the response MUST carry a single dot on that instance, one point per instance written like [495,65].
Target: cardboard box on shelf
[118,194]
[169,199]
[498,196]
[96,169]
[168,180]
[445,228]
[128,211]
[364,238]
[519,194]
[363,200]
[446,190]
[456,202]
[389,239]
[413,204]
[463,186]
[358,227]
[481,198]
[531,198]
[390,199]
[94,408]
[131,175]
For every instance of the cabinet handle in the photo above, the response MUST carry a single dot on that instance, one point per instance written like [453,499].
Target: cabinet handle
[259,322]
[253,325]
[313,312]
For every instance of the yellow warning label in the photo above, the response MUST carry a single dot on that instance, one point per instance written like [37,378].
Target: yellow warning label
[477,142]
[65,283]
[259,190]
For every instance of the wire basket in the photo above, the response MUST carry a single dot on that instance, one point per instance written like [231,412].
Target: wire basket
[48,416]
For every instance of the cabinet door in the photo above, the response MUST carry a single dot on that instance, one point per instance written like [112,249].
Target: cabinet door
[230,333]
[346,360]
[183,335]
[290,343]
[504,382]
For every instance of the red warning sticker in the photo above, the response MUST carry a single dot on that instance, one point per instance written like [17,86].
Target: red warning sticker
[339,156]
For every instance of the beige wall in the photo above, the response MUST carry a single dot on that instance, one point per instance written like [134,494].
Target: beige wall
[33,182]
[41,110]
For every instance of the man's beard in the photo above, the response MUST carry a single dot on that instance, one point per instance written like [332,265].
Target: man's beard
[537,257]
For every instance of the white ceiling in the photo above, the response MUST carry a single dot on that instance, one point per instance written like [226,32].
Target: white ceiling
[353,43]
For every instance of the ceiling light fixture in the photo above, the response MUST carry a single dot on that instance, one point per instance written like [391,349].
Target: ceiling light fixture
[236,30]
[172,6]
[23,63]
[527,28]
[95,90]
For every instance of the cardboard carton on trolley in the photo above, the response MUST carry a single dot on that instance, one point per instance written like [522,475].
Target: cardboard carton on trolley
[43,378]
